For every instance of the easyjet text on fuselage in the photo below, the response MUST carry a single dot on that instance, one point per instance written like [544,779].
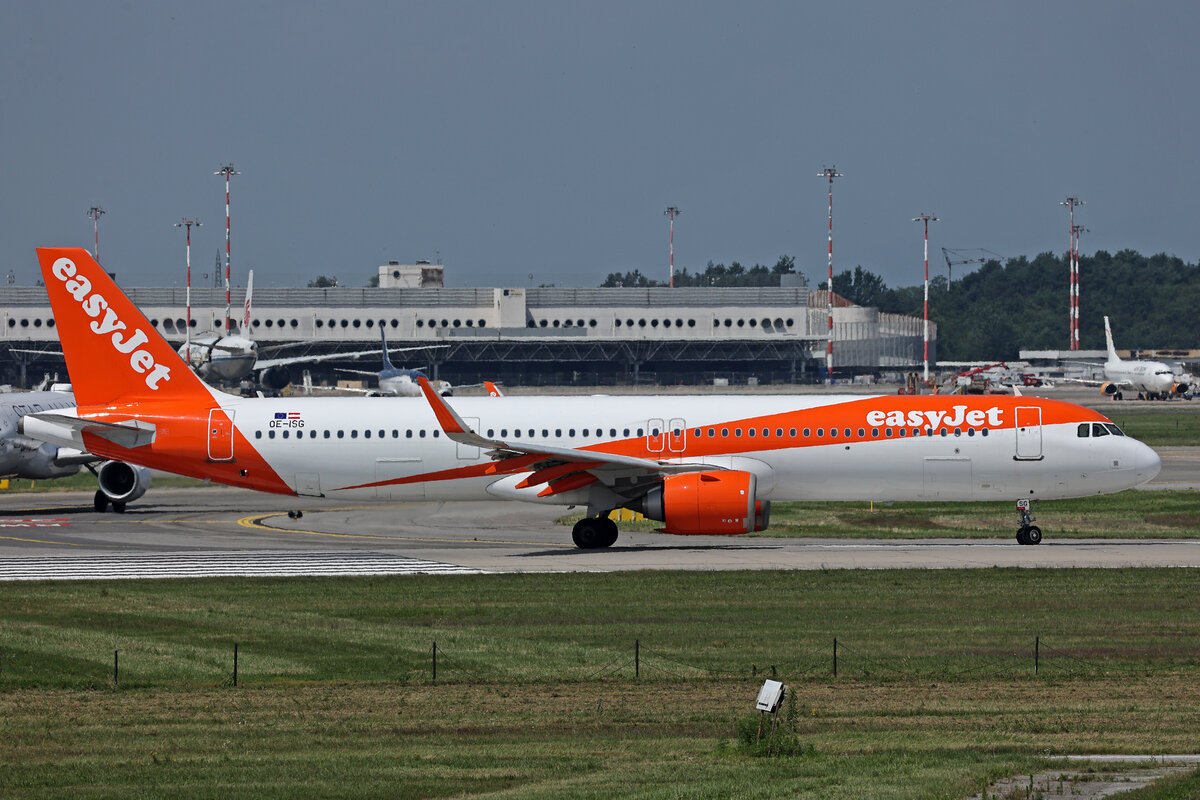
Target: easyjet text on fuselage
[958,416]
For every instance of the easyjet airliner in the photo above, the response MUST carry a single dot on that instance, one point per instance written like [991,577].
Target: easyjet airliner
[699,464]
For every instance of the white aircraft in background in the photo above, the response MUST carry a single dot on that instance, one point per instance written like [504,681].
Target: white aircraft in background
[703,464]
[230,358]
[1152,379]
[398,381]
[25,457]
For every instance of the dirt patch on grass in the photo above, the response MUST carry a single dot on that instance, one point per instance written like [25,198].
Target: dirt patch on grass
[905,521]
[1076,785]
[1187,521]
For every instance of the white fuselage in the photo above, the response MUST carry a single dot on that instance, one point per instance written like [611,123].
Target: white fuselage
[220,358]
[1144,376]
[370,447]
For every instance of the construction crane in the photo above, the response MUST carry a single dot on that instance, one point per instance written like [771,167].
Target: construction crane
[968,256]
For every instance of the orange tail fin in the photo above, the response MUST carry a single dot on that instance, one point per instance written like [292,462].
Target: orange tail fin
[113,354]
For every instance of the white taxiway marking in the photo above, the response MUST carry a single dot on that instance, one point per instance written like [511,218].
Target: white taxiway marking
[220,564]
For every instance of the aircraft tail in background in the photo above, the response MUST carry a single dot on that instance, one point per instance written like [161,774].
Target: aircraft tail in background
[1108,340]
[387,362]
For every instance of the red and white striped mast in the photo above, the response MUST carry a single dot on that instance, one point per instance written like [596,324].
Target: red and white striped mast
[672,212]
[830,173]
[188,223]
[1073,308]
[1077,230]
[926,218]
[227,171]
[95,212]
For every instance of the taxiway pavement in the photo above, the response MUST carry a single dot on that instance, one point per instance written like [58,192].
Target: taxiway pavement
[221,531]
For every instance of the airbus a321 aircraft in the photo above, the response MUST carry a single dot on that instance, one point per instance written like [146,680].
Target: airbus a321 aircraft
[700,464]
[1152,379]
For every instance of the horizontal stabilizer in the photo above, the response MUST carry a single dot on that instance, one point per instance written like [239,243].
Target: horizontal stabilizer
[61,428]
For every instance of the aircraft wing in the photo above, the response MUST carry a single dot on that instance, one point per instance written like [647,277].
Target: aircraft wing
[267,363]
[36,352]
[1094,382]
[562,468]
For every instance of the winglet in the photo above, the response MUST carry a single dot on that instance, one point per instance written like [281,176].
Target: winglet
[492,389]
[451,422]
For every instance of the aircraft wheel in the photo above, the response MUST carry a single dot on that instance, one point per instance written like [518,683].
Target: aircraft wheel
[610,531]
[118,506]
[1033,535]
[591,533]
[100,502]
[1021,536]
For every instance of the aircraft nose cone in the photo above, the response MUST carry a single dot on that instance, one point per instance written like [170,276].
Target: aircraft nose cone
[1146,462]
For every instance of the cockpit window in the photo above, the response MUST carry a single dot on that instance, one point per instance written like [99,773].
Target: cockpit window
[1098,429]
[1113,429]
[1085,429]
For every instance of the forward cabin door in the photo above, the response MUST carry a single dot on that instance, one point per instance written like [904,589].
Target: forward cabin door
[1029,434]
[220,435]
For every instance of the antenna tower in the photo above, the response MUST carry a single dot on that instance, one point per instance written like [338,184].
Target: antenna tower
[227,171]
[926,218]
[188,223]
[95,212]
[1073,307]
[672,212]
[830,173]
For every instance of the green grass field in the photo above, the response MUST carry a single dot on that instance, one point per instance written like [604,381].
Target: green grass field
[1157,428]
[536,693]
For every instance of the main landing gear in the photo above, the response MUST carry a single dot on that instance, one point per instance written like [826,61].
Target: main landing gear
[1028,533]
[100,502]
[591,533]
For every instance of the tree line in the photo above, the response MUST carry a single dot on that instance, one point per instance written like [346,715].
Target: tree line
[1020,304]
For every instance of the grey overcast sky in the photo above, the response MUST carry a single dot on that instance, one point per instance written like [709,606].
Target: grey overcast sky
[547,138]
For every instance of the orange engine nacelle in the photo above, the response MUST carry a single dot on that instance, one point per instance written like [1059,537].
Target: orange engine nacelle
[1108,389]
[720,502]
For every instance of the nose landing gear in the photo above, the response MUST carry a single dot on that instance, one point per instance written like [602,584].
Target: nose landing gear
[1028,533]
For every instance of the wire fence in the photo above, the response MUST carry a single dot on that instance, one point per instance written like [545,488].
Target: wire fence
[834,660]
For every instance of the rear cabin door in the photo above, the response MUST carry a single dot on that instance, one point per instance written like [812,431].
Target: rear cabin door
[220,435]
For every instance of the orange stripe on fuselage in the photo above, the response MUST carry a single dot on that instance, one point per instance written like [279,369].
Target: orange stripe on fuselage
[180,445]
[993,413]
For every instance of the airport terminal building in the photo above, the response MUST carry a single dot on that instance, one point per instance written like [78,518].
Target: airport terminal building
[522,336]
